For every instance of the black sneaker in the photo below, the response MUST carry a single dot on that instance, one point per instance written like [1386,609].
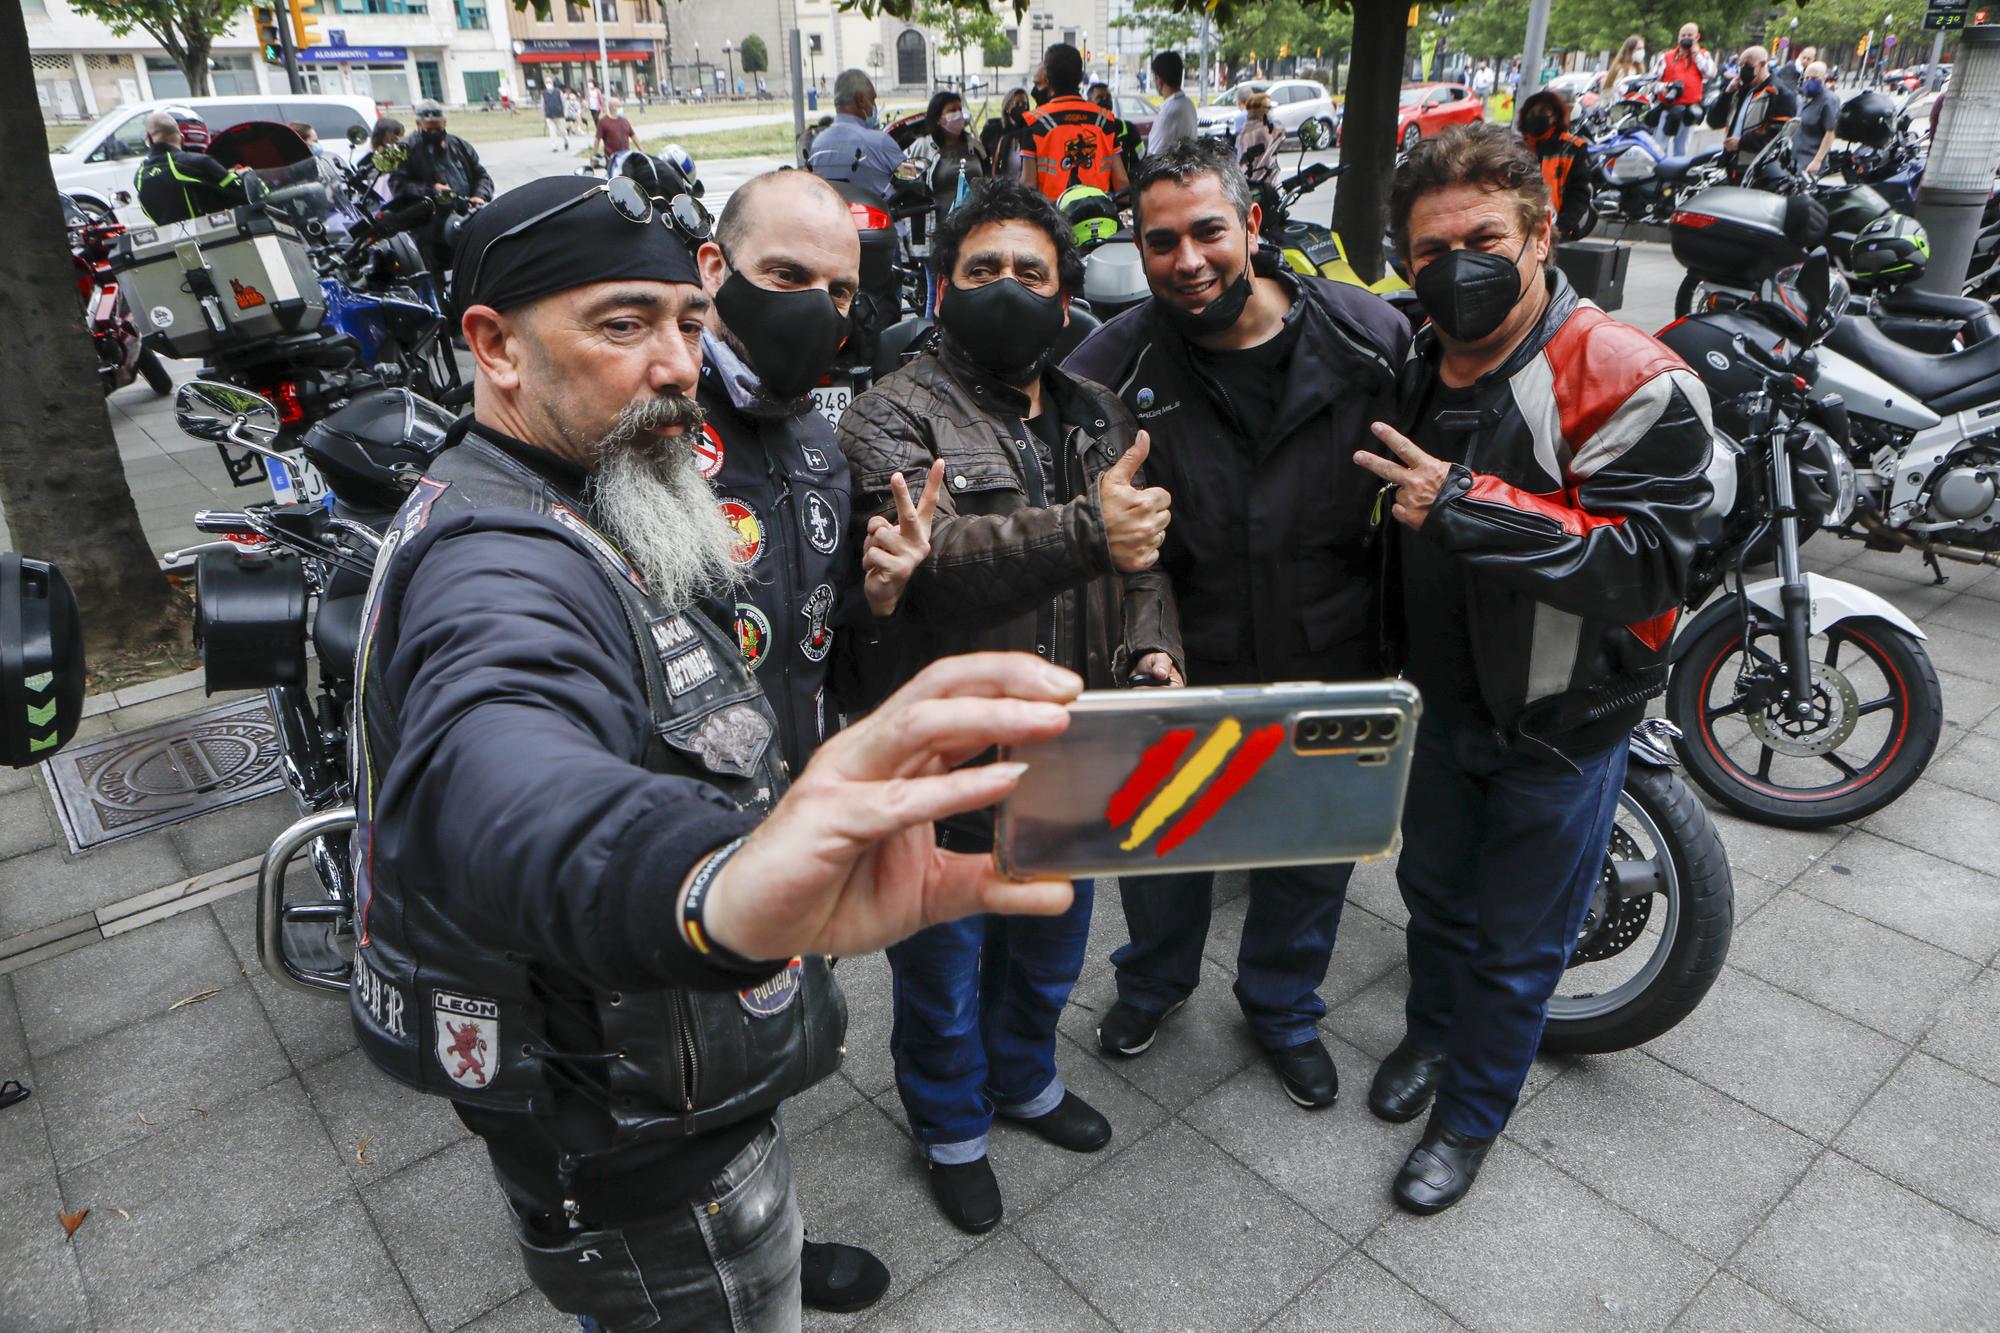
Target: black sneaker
[1074,1124]
[967,1194]
[1128,1030]
[1307,1073]
[841,1279]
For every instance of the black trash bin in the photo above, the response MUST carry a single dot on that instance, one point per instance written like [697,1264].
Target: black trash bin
[1596,269]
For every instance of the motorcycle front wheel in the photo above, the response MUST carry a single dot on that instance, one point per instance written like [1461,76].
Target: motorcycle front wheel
[1658,927]
[1877,711]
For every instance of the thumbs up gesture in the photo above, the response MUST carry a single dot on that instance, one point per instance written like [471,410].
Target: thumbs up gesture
[1135,518]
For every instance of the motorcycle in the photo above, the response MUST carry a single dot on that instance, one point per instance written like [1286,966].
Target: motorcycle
[1804,701]
[1633,177]
[122,357]
[279,574]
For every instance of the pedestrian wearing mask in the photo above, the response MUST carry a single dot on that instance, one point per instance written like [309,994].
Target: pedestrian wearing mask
[554,120]
[1256,386]
[1035,530]
[1819,113]
[1006,136]
[782,271]
[593,910]
[1754,110]
[1793,72]
[1691,66]
[1548,467]
[1628,63]
[1258,142]
[1130,146]
[1565,158]
[854,148]
[439,162]
[954,161]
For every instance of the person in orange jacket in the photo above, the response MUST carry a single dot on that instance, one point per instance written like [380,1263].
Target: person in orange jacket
[1544,122]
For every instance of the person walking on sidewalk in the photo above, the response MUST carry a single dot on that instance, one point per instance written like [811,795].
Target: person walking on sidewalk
[554,119]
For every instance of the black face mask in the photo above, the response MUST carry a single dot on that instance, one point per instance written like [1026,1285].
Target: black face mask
[992,325]
[433,136]
[1041,95]
[1537,123]
[1468,293]
[1687,43]
[1217,315]
[791,337]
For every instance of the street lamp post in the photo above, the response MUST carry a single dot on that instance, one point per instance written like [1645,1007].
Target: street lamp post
[730,51]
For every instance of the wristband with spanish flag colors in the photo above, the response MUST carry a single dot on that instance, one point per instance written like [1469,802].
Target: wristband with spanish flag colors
[693,928]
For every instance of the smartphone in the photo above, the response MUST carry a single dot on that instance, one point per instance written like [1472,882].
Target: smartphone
[1159,781]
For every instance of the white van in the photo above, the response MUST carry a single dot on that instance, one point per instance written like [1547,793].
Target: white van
[105,154]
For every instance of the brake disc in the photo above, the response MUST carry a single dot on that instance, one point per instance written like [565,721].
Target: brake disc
[1613,923]
[1835,714]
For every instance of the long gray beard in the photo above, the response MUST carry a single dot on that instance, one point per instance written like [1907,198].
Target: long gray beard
[649,497]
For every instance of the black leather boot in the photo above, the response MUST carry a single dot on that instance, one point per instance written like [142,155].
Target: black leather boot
[1439,1170]
[840,1278]
[967,1194]
[1405,1083]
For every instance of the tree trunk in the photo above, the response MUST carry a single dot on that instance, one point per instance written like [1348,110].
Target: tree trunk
[62,485]
[196,66]
[1368,133]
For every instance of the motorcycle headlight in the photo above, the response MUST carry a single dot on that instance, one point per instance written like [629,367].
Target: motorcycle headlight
[1846,486]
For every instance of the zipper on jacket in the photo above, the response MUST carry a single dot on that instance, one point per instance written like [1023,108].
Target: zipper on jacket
[690,1057]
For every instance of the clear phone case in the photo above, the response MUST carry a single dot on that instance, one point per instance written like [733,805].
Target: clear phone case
[1157,781]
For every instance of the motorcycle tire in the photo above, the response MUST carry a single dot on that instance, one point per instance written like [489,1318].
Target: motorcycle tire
[1700,905]
[1684,298]
[1915,700]
[157,377]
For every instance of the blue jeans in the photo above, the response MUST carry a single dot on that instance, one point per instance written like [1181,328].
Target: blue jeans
[1288,937]
[1500,856]
[976,1004]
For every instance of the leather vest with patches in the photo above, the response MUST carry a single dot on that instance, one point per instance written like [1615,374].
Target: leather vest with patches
[447,1012]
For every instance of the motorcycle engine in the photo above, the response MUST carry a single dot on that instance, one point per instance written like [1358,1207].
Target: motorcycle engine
[1966,494]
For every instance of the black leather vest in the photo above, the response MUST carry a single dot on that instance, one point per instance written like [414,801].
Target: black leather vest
[448,1012]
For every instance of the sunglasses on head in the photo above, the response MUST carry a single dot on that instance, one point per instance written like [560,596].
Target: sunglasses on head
[682,214]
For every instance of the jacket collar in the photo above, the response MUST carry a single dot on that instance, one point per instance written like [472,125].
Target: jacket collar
[565,476]
[1074,407]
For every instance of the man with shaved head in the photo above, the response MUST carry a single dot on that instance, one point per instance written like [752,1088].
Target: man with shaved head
[175,184]
[594,904]
[1755,109]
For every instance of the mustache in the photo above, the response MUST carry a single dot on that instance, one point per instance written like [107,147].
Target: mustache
[650,415]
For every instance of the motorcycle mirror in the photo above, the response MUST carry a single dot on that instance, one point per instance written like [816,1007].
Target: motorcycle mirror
[209,410]
[41,661]
[356,136]
[1312,135]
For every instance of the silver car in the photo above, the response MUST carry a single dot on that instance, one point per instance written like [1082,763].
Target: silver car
[1293,103]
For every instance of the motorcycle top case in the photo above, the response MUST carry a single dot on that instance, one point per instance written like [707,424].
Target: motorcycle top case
[1732,234]
[218,281]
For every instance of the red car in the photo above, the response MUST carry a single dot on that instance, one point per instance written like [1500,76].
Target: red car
[1426,109]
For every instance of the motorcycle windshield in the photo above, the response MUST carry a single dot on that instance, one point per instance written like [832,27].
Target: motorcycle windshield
[303,193]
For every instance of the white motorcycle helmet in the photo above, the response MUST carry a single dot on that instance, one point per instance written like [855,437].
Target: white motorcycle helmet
[1114,279]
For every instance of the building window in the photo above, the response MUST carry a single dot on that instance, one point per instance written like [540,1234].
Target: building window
[608,10]
[482,85]
[911,66]
[226,75]
[472,15]
[577,12]
[429,83]
[56,88]
[1069,36]
[382,6]
[642,11]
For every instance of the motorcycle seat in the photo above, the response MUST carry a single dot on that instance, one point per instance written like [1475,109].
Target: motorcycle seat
[337,633]
[1936,380]
[1679,166]
[1910,303]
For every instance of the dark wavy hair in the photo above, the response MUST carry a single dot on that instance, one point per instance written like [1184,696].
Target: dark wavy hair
[1490,156]
[939,101]
[998,199]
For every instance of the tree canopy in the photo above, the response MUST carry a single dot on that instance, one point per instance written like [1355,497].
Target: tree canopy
[751,51]
[185,29]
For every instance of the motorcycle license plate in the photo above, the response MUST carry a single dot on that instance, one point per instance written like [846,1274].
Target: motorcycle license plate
[832,400]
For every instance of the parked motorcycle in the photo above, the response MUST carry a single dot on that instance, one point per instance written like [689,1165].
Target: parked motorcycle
[1803,700]
[1633,176]
[121,355]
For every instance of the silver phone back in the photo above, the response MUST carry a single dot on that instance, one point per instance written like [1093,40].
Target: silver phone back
[1158,781]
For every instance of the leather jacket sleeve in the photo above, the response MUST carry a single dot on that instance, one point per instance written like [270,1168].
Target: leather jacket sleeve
[1616,542]
[475,170]
[982,567]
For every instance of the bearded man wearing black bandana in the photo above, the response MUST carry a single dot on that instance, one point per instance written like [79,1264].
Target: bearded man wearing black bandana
[594,909]
[1257,385]
[1035,530]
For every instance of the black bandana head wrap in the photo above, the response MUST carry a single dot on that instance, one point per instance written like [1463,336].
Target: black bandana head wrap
[585,243]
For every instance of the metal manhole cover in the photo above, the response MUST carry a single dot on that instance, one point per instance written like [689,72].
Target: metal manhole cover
[136,781]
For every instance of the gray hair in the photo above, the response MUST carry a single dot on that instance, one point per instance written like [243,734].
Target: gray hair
[161,124]
[850,87]
[429,107]
[1187,159]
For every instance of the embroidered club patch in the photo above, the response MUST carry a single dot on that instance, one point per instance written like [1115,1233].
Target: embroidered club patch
[773,995]
[753,634]
[692,668]
[818,641]
[749,530]
[730,740]
[708,452]
[815,459]
[468,1037]
[1145,399]
[672,633]
[822,525]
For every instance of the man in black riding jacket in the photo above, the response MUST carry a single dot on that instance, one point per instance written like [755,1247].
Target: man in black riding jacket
[1256,386]
[1548,466]
[782,270]
[440,163]
[594,906]
[175,184]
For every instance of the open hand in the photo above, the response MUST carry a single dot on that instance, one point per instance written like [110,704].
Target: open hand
[1416,475]
[894,550]
[1135,519]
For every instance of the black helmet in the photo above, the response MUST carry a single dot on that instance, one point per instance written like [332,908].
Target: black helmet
[1868,119]
[1891,250]
[374,448]
[41,661]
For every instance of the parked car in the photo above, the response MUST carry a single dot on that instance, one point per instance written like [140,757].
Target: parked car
[104,155]
[1293,103]
[1579,90]
[1135,111]
[1427,109]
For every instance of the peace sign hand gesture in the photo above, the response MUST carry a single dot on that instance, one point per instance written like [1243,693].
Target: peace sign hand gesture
[1416,475]
[894,550]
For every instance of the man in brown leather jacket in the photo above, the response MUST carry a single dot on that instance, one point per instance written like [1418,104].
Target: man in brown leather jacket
[1035,532]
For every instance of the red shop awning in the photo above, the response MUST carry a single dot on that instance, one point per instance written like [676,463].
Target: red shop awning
[582,55]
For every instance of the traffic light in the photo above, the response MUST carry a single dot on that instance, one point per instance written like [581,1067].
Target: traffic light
[305,24]
[268,35]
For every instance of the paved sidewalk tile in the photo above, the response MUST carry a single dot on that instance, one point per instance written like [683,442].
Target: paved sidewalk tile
[1336,1163]
[1699,1166]
[1944,821]
[41,1286]
[126,979]
[26,822]
[1867,972]
[368,1114]
[529,1312]
[324,1271]
[103,1093]
[1778,854]
[1938,901]
[823,1101]
[1033,1171]
[25,1159]
[1730,1305]
[866,983]
[1960,653]
[236,833]
[312,1028]
[1794,1061]
[1529,1248]
[1964,1035]
[999,1288]
[1852,1250]
[1365,951]
[445,1223]
[1967,702]
[199,1191]
[859,1181]
[1374,888]
[1932,1128]
[1200,1046]
[1175,1234]
[1361,1294]
[1373,1020]
[1973,765]
[50,885]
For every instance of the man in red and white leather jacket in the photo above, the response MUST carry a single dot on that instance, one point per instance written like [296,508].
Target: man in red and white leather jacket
[1548,474]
